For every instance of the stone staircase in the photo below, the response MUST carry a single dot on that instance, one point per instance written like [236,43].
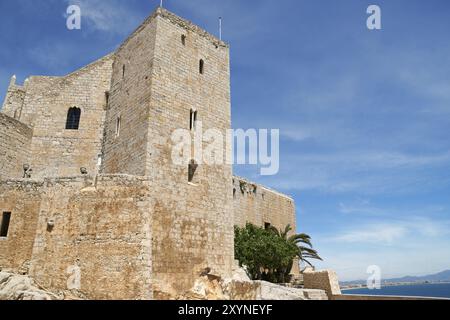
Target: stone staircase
[312,294]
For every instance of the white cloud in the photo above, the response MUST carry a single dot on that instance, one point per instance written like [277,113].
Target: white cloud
[110,16]
[391,232]
[363,207]
[411,246]
[385,234]
[365,172]
[394,261]
[297,134]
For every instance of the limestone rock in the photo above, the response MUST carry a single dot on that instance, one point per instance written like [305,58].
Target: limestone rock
[240,287]
[19,287]
[270,291]
[207,288]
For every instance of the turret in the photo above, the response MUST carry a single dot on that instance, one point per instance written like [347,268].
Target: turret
[12,82]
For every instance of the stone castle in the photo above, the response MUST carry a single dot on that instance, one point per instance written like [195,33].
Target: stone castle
[89,197]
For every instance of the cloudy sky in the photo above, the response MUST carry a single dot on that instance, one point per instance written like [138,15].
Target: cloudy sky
[364,115]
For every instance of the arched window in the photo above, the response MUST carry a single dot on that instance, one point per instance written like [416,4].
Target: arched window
[73,118]
[183,39]
[202,66]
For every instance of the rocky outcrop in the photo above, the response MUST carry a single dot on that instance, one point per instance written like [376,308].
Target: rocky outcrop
[207,287]
[240,287]
[269,291]
[19,287]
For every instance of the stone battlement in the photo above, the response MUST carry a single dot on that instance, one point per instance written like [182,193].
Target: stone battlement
[183,23]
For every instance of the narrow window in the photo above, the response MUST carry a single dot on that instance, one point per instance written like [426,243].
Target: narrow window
[107,98]
[202,66]
[234,193]
[193,166]
[73,118]
[193,120]
[118,125]
[6,218]
[123,71]
[267,225]
[183,39]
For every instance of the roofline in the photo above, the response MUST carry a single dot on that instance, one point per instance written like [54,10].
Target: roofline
[181,22]
[264,187]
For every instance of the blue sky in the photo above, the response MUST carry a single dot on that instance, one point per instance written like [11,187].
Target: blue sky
[364,115]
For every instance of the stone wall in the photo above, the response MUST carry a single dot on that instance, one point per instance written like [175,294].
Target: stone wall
[96,231]
[260,206]
[193,222]
[128,115]
[15,139]
[12,106]
[23,201]
[323,280]
[56,151]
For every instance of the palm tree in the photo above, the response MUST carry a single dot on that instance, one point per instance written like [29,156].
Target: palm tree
[303,242]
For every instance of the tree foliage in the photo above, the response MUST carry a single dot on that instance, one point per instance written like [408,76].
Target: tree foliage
[265,255]
[269,254]
[302,240]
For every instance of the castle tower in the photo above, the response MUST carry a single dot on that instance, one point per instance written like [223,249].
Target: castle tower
[166,75]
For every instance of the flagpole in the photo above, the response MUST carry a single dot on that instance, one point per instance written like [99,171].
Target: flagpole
[220,28]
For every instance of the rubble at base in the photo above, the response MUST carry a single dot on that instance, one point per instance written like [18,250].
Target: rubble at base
[19,287]
[240,287]
[208,287]
[22,287]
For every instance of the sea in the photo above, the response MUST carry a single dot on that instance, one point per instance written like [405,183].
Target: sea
[438,290]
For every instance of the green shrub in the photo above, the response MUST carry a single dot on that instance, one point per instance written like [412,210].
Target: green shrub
[266,255]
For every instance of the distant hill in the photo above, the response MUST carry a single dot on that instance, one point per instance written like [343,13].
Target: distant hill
[443,276]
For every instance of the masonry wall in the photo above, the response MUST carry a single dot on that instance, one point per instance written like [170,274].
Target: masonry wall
[15,139]
[326,280]
[125,150]
[12,106]
[259,205]
[55,150]
[23,201]
[101,234]
[192,224]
